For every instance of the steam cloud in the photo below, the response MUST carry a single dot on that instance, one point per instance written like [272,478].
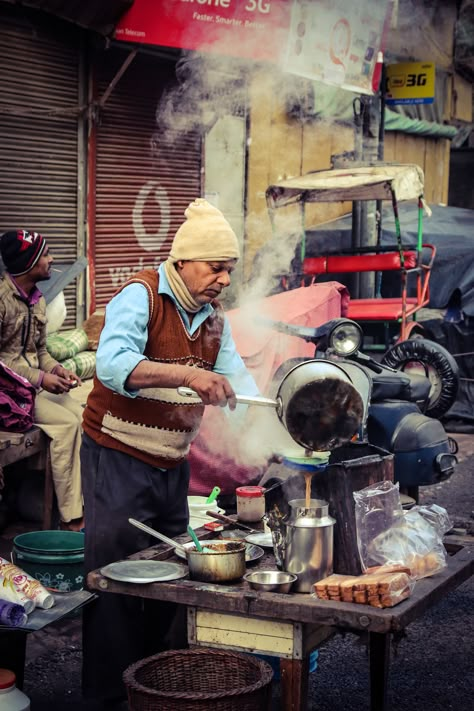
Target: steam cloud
[210,87]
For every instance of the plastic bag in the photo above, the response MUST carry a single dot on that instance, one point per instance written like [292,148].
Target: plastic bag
[377,509]
[388,535]
[436,516]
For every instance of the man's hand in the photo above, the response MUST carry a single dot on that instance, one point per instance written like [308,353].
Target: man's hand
[212,388]
[73,379]
[55,383]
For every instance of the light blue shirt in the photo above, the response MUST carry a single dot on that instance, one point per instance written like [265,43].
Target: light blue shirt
[125,334]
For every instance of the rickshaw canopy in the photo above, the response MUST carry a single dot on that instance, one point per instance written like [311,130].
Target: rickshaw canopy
[381,182]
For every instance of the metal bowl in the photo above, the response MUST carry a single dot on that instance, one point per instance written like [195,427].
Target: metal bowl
[270,580]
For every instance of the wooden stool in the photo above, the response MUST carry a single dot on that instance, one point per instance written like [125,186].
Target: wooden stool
[22,445]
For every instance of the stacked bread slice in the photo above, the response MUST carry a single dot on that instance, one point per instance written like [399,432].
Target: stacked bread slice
[384,586]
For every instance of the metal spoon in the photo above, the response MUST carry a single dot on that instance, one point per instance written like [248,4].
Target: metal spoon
[161,536]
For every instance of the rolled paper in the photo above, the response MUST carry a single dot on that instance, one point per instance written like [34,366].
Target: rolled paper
[26,584]
[12,614]
[10,593]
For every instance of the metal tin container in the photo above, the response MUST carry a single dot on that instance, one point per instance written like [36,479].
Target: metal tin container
[309,543]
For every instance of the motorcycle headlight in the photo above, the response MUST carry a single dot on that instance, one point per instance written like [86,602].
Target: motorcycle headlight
[346,338]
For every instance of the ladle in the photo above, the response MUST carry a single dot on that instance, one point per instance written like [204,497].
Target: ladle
[161,536]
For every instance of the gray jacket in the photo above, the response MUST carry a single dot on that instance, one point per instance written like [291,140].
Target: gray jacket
[23,334]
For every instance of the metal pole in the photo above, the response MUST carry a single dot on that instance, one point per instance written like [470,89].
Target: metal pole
[357,107]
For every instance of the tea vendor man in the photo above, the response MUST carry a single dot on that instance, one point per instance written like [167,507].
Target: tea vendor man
[162,330]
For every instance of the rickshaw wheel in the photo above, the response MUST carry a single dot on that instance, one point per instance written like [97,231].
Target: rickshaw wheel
[423,357]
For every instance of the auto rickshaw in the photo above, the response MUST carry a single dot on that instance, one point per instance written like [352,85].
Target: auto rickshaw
[396,315]
[388,317]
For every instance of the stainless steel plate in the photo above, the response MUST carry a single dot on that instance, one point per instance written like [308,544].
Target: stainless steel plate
[252,552]
[143,571]
[260,539]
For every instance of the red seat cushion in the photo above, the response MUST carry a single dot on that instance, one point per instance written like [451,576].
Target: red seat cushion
[378,309]
[333,264]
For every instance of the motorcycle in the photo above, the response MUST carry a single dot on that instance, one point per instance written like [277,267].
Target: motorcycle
[403,395]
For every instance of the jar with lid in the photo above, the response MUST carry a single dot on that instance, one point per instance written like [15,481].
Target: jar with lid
[250,503]
[11,698]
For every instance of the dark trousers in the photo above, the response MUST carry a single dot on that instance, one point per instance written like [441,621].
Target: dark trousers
[118,630]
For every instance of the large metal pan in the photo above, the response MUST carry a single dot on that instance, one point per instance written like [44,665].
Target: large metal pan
[223,562]
[220,562]
[317,403]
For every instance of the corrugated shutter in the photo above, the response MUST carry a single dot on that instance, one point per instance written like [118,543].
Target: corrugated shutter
[39,134]
[143,184]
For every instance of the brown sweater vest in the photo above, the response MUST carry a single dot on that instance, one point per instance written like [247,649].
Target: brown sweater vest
[158,425]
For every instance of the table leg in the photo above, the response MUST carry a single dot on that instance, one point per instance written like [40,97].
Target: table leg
[13,653]
[294,675]
[379,660]
[48,492]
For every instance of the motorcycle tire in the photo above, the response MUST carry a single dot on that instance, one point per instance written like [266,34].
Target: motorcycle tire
[437,362]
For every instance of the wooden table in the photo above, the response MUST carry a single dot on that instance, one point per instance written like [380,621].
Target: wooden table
[290,626]
[16,446]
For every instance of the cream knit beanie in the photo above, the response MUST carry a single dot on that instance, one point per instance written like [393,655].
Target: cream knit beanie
[204,236]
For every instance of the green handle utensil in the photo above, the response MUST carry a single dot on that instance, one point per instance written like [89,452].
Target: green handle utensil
[213,495]
[196,541]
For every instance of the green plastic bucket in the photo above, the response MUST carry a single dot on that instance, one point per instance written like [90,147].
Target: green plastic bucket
[55,558]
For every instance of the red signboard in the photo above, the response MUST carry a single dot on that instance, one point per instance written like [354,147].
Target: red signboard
[253,29]
[332,41]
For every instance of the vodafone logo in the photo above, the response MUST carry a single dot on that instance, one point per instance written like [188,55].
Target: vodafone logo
[151,242]
[148,241]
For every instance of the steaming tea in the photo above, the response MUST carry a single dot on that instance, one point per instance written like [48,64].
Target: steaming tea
[308,476]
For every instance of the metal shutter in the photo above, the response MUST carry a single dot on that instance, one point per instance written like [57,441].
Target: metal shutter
[142,186]
[39,85]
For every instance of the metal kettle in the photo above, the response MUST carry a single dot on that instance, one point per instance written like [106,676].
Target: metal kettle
[306,546]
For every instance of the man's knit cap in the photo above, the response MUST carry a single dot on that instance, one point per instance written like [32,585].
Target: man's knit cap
[204,236]
[21,250]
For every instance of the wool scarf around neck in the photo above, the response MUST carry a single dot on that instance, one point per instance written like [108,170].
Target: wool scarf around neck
[179,288]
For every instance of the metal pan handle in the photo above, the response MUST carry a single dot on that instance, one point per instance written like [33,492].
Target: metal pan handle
[242,399]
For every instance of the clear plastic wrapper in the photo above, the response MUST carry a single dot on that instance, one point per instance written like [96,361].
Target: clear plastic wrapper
[387,535]
[377,510]
[9,592]
[436,516]
[26,584]
[12,614]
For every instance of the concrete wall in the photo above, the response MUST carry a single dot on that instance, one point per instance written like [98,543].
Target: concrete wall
[224,180]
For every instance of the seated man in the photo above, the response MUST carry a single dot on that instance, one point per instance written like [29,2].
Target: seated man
[23,348]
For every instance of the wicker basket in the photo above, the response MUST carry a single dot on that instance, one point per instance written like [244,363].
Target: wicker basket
[199,679]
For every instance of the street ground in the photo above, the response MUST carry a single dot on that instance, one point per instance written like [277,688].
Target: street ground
[431,663]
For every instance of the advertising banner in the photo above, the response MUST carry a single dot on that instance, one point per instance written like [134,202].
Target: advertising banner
[253,29]
[332,41]
[411,83]
[337,42]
